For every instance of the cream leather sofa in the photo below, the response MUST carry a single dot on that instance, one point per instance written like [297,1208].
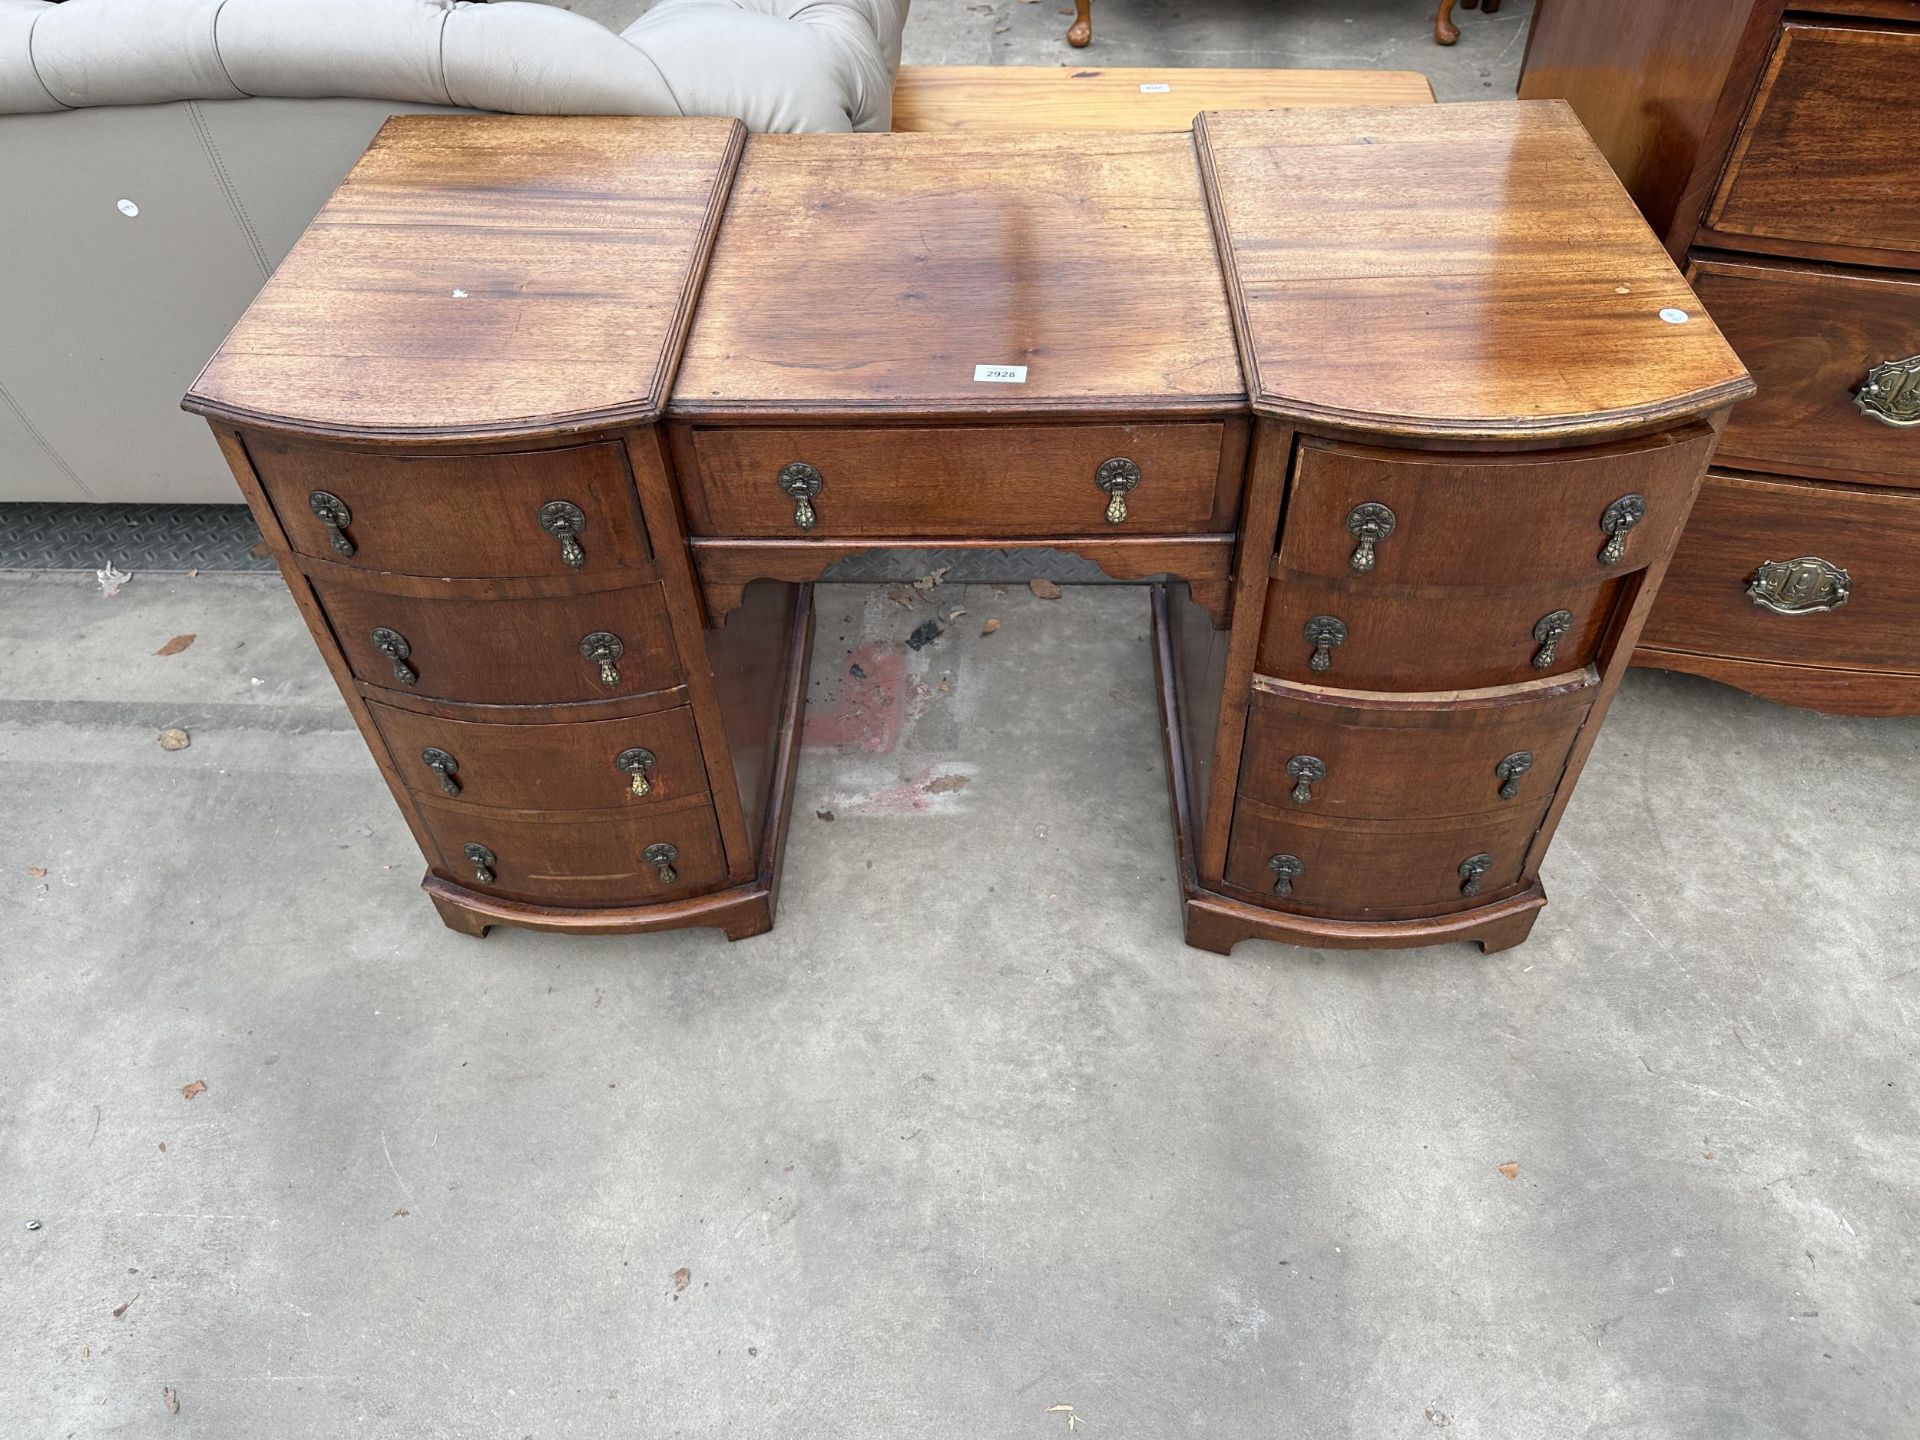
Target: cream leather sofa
[159,157]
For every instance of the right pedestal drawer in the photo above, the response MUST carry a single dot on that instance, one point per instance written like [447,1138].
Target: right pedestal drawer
[1795,572]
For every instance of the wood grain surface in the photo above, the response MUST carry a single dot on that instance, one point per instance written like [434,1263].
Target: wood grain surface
[485,274]
[1047,98]
[1465,271]
[1084,257]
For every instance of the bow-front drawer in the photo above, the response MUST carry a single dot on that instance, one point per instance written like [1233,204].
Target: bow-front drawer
[1837,357]
[532,512]
[1381,518]
[573,859]
[589,765]
[1377,869]
[469,643]
[1317,752]
[1016,481]
[1797,573]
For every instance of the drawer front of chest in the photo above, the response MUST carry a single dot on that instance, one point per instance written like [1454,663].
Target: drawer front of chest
[1316,752]
[579,859]
[1837,357]
[1364,869]
[552,649]
[1421,638]
[1797,573]
[1012,481]
[1384,518]
[627,764]
[538,512]
[1826,154]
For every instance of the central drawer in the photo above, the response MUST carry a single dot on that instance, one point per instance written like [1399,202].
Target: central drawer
[1311,751]
[1020,482]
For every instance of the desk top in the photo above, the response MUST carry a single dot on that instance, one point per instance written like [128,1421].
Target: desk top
[1465,271]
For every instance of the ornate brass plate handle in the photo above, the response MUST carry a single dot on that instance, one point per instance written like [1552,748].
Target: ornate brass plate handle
[1323,632]
[1804,586]
[564,520]
[637,762]
[393,645]
[1471,870]
[661,856]
[1549,630]
[1369,524]
[443,765]
[603,648]
[801,482]
[1286,869]
[1509,771]
[1303,770]
[482,860]
[1891,392]
[1117,477]
[1615,521]
[334,514]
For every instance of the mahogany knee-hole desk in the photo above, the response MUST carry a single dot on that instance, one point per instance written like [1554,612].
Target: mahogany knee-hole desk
[551,421]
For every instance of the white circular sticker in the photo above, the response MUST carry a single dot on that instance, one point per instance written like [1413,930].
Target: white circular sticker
[127,208]
[1673,316]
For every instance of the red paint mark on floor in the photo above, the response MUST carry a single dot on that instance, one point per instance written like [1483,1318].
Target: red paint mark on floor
[866,711]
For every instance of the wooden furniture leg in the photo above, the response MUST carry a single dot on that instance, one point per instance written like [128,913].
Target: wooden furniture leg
[1081,31]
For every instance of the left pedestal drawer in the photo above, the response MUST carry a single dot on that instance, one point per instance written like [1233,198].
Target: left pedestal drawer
[626,764]
[573,858]
[469,646]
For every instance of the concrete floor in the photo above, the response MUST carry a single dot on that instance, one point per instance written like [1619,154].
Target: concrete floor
[971,1134]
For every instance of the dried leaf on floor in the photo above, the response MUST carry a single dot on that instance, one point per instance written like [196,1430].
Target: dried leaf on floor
[903,595]
[169,1399]
[111,580]
[1045,589]
[174,738]
[401,1214]
[932,578]
[120,1310]
[990,627]
[176,645]
[682,1278]
[1511,1169]
[193,1088]
[258,551]
[945,784]
[38,872]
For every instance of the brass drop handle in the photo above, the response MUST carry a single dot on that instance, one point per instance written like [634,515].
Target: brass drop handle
[1804,586]
[1369,524]
[393,645]
[443,765]
[334,514]
[1286,869]
[801,482]
[564,520]
[482,860]
[1303,770]
[1117,477]
[1615,521]
[661,856]
[1323,632]
[1550,630]
[1509,771]
[637,762]
[603,648]
[1471,870]
[1891,392]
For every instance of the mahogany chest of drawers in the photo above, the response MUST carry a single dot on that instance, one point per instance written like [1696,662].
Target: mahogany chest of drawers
[552,422]
[1773,147]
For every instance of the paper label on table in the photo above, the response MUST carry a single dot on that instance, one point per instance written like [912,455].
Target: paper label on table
[1158,88]
[1001,374]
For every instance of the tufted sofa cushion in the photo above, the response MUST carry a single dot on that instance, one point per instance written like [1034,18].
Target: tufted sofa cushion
[778,65]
